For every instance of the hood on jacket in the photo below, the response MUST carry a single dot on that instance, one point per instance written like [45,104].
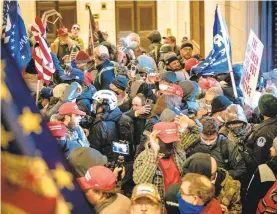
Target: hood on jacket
[135,87]
[87,93]
[187,87]
[155,37]
[273,165]
[234,112]
[114,115]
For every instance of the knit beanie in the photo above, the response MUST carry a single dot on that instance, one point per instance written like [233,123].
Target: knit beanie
[46,92]
[169,76]
[199,163]
[59,89]
[120,82]
[82,57]
[220,103]
[206,83]
[187,44]
[187,87]
[268,105]
[169,114]
[84,158]
[146,64]
[170,57]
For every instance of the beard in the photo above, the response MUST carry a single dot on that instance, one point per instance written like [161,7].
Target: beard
[166,149]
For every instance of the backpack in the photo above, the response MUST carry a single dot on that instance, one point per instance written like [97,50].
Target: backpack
[268,204]
[224,151]
[125,129]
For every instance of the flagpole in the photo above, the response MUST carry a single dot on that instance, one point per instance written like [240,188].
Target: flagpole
[38,84]
[227,54]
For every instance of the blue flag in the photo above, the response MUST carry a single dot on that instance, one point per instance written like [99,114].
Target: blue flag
[25,136]
[219,58]
[16,41]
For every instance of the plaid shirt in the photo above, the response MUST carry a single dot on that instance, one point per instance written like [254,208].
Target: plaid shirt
[146,169]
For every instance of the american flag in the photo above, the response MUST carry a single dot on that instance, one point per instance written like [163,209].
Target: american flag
[15,39]
[41,53]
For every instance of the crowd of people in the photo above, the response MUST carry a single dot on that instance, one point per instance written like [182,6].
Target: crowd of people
[144,134]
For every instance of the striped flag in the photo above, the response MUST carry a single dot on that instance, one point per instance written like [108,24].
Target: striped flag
[41,52]
[92,35]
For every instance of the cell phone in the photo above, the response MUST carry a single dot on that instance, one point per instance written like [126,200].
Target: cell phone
[149,102]
[121,148]
[133,71]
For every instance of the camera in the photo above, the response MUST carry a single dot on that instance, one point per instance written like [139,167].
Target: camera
[121,147]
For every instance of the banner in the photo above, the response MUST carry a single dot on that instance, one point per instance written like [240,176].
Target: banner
[219,58]
[251,67]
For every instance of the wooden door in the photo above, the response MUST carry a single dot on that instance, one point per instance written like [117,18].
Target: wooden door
[136,16]
[68,11]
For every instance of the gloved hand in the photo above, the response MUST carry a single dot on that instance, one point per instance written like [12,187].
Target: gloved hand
[71,92]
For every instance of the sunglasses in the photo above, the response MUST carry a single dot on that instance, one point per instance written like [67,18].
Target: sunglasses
[76,28]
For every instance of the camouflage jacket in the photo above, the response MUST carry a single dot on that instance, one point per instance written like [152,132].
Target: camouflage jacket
[146,169]
[229,194]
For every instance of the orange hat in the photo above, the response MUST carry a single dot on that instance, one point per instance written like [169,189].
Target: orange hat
[62,31]
[169,131]
[70,108]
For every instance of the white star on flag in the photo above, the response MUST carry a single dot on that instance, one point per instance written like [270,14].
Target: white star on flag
[23,57]
[13,54]
[12,47]
[13,26]
[13,33]
[12,40]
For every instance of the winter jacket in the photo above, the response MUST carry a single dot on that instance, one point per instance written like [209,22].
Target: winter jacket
[237,139]
[146,169]
[258,144]
[139,123]
[84,101]
[124,104]
[228,192]
[67,146]
[261,182]
[104,76]
[77,135]
[121,205]
[150,122]
[231,160]
[103,131]
[78,40]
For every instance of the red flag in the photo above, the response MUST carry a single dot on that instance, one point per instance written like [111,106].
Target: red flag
[92,35]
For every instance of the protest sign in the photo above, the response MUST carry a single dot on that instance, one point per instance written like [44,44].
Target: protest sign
[251,68]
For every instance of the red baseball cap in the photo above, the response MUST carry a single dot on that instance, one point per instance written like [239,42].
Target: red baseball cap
[62,31]
[99,178]
[57,128]
[70,108]
[169,131]
[190,63]
[174,89]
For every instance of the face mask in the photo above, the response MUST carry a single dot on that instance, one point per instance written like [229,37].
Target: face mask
[238,130]
[133,44]
[208,142]
[163,87]
[186,208]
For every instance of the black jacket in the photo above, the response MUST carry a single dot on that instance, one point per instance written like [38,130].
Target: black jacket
[84,101]
[229,158]
[258,144]
[103,132]
[259,185]
[139,124]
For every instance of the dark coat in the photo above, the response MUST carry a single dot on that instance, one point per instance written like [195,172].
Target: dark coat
[234,163]
[259,185]
[84,101]
[258,144]
[104,76]
[103,131]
